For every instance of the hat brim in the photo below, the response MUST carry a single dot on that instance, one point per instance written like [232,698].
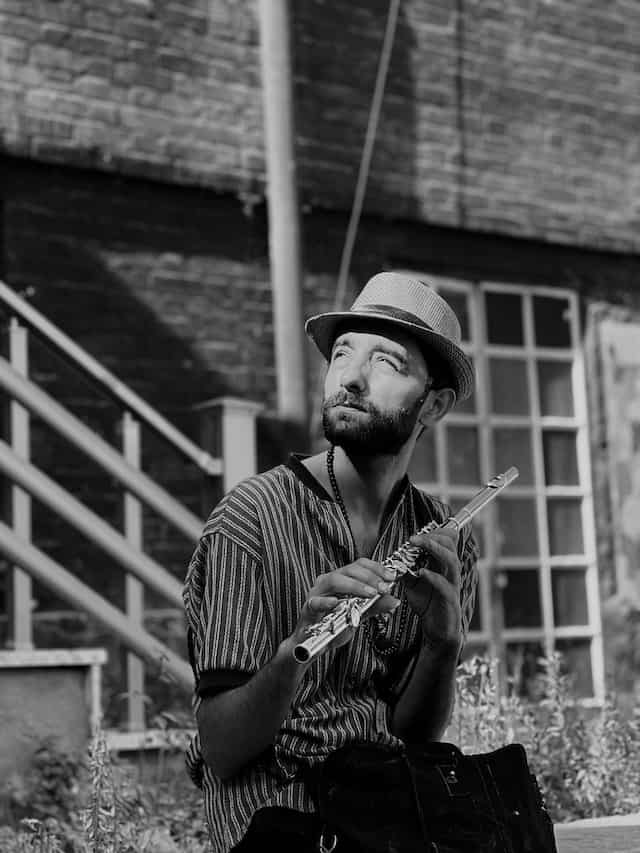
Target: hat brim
[322,329]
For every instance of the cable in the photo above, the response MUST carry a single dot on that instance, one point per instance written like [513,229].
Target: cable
[365,162]
[361,183]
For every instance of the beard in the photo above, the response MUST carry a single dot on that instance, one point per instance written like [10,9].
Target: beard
[381,433]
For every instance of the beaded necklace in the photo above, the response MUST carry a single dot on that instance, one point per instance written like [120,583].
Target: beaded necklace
[375,627]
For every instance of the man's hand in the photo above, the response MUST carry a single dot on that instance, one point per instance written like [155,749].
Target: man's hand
[362,579]
[435,593]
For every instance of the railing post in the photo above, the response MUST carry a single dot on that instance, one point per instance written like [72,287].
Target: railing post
[20,602]
[134,589]
[228,429]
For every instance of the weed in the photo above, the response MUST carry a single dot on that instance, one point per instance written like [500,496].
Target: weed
[587,761]
[587,765]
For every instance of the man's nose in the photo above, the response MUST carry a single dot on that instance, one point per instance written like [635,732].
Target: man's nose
[354,375]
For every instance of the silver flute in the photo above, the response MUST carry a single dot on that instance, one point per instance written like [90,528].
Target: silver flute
[407,559]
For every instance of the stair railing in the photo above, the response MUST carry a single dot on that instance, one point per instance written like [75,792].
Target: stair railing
[237,460]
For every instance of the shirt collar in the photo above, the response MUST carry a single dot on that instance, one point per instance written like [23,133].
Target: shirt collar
[294,463]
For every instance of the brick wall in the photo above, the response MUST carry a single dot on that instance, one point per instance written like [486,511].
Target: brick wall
[133,86]
[133,194]
[514,117]
[168,286]
[517,118]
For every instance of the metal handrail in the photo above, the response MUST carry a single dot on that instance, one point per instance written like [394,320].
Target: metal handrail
[66,585]
[44,489]
[73,429]
[114,386]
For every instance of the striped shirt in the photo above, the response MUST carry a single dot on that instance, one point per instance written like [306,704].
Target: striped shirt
[260,552]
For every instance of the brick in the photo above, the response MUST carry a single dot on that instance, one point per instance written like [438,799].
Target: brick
[99,21]
[56,34]
[14,50]
[46,127]
[55,103]
[46,56]
[90,86]
[94,43]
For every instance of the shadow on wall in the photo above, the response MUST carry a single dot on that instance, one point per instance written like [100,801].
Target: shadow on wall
[168,287]
[336,64]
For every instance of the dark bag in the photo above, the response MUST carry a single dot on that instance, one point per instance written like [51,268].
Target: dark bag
[434,798]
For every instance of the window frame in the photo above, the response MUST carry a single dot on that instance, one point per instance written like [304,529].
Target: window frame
[478,348]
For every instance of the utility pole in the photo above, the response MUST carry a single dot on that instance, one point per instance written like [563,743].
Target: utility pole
[283,212]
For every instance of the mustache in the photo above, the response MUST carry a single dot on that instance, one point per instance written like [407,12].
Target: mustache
[344,398]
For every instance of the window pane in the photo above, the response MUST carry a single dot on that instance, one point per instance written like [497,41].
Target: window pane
[513,447]
[509,386]
[560,458]
[458,301]
[565,526]
[551,318]
[422,468]
[569,597]
[524,669]
[504,318]
[556,393]
[521,599]
[577,664]
[517,527]
[463,455]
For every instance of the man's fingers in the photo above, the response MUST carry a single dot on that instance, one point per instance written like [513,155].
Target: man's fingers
[439,582]
[318,605]
[443,553]
[385,604]
[358,582]
[433,584]
[429,541]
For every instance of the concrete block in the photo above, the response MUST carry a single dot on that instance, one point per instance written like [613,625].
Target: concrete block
[53,693]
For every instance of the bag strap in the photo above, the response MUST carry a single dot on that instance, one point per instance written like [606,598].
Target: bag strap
[416,798]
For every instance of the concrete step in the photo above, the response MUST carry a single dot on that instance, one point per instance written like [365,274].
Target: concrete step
[618,834]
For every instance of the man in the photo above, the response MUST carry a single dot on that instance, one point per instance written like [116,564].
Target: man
[283,547]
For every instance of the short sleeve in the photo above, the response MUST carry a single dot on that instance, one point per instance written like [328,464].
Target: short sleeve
[224,603]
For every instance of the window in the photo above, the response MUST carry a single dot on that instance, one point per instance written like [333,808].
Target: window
[537,538]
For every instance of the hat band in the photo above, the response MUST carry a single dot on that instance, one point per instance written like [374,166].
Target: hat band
[395,314]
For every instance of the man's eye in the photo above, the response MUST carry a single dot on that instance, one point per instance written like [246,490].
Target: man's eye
[385,359]
[338,354]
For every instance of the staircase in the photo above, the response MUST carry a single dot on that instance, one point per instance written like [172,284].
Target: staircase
[232,420]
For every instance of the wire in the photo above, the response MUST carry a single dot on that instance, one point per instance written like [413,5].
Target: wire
[361,183]
[367,151]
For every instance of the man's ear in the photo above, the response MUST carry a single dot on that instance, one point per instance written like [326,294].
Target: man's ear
[436,405]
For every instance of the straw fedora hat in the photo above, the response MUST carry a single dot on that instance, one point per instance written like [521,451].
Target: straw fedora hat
[411,304]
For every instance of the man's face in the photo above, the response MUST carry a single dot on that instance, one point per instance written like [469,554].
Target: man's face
[373,392]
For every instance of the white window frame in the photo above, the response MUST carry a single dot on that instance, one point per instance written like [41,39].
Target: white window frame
[480,351]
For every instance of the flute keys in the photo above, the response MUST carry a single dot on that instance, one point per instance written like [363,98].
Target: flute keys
[353,616]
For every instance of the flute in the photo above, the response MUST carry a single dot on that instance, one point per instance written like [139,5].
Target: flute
[405,560]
